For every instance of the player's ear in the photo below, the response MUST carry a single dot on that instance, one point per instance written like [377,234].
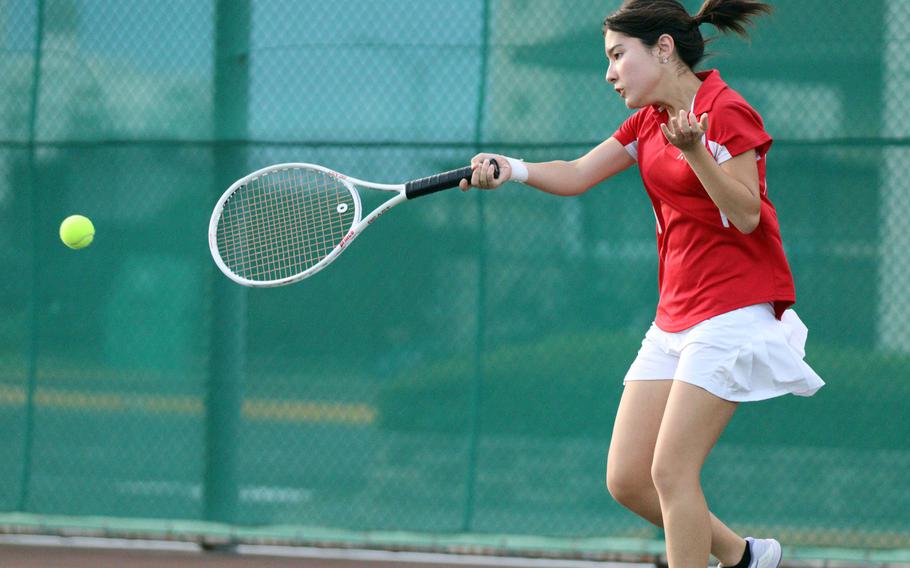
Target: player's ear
[664,47]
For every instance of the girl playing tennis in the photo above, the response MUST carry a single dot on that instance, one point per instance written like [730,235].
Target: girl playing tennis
[722,334]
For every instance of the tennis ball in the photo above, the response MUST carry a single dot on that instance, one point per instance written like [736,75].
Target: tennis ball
[77,231]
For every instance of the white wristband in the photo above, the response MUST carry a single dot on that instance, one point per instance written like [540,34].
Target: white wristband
[519,170]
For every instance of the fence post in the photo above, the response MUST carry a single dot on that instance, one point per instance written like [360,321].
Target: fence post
[474,412]
[224,389]
[34,301]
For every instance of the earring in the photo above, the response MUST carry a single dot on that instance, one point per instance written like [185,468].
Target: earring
[664,60]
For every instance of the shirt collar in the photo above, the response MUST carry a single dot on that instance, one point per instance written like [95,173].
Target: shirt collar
[711,86]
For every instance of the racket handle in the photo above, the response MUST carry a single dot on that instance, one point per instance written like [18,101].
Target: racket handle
[445,180]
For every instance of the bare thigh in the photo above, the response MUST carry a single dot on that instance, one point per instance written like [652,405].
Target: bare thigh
[693,421]
[635,430]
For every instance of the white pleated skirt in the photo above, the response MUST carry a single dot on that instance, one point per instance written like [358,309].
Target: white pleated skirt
[742,355]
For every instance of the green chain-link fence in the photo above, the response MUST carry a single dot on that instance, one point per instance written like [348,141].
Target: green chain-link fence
[470,384]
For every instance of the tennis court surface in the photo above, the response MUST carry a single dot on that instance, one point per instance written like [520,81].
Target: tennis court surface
[53,552]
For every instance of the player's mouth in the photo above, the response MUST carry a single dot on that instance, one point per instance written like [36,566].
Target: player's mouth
[622,92]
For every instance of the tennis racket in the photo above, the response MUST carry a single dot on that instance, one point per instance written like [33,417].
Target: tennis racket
[286,222]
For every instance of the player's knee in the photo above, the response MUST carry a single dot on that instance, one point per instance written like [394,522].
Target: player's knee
[628,486]
[671,476]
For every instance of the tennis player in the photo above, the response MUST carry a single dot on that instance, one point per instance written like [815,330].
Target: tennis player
[723,333]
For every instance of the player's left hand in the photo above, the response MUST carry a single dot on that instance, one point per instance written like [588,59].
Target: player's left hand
[685,131]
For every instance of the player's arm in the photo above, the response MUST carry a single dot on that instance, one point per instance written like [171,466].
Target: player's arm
[733,186]
[578,176]
[558,177]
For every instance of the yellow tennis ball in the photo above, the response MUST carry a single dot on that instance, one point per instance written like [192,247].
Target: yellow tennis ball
[77,231]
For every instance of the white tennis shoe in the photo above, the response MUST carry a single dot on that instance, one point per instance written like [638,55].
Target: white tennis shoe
[766,552]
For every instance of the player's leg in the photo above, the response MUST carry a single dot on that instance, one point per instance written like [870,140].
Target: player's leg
[630,457]
[692,423]
[631,453]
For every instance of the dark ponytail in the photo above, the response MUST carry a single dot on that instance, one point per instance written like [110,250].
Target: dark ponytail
[647,20]
[731,15]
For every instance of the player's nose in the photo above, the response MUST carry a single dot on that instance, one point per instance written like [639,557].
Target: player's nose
[611,75]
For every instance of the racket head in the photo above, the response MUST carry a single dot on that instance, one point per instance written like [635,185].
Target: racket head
[282,223]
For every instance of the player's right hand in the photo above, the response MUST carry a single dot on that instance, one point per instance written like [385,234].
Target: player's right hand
[482,177]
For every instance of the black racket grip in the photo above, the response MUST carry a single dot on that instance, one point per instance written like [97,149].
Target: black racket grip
[445,180]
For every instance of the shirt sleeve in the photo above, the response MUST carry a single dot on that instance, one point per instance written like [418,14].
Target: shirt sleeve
[627,134]
[737,128]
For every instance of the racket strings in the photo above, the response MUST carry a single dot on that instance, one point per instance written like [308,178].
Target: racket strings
[272,256]
[284,234]
[283,223]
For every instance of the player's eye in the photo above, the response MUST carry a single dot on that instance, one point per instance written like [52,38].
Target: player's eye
[617,55]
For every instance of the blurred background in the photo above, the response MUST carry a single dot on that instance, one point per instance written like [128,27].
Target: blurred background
[453,379]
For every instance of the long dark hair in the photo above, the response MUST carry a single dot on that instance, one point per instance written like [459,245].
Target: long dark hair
[647,20]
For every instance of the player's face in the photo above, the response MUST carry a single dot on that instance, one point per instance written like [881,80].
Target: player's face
[634,70]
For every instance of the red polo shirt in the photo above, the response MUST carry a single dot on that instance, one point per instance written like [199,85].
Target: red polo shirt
[707,267]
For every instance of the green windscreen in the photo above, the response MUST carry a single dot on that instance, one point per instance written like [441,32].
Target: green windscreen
[458,368]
